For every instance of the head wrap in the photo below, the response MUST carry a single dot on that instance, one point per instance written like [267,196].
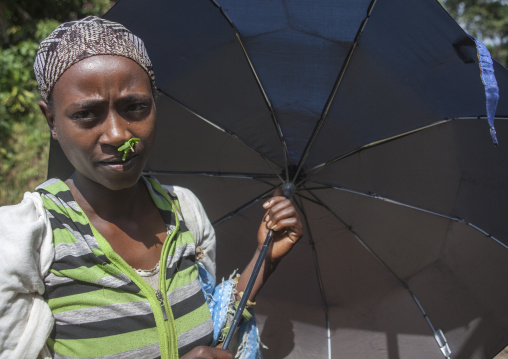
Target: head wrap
[77,40]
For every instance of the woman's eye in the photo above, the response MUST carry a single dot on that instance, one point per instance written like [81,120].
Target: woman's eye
[136,107]
[85,114]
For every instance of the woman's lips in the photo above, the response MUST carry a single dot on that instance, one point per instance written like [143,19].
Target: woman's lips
[117,164]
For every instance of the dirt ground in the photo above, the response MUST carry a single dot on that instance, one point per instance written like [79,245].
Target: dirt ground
[503,354]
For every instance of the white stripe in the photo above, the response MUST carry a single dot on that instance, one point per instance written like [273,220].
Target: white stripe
[52,280]
[195,333]
[150,351]
[113,281]
[182,251]
[76,249]
[72,204]
[184,292]
[105,312]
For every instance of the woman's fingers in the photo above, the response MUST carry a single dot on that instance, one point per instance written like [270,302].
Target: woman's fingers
[279,211]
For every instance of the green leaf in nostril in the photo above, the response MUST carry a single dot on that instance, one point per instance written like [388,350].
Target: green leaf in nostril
[127,147]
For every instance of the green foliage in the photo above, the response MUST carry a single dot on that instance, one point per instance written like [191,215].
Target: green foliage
[19,17]
[25,166]
[486,20]
[24,137]
[18,95]
[128,147]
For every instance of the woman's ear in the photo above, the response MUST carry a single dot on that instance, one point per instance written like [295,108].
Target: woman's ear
[50,118]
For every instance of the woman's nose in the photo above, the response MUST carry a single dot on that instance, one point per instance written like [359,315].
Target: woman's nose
[115,130]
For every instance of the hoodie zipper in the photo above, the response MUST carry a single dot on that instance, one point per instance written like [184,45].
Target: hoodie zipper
[159,296]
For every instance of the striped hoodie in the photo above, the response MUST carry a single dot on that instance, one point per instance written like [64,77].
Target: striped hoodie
[102,307]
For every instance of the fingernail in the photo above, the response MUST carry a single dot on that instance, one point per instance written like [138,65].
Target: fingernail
[266,204]
[269,224]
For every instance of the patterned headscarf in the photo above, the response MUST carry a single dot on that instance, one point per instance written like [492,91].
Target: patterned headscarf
[76,40]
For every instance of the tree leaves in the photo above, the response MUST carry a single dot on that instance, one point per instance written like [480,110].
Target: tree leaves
[486,20]
[24,138]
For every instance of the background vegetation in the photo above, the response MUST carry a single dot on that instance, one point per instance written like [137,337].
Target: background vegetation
[24,138]
[486,20]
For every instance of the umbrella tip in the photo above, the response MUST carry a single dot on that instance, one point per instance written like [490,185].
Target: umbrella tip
[289,189]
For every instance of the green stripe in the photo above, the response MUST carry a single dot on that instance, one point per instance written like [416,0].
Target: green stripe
[91,274]
[63,236]
[78,217]
[181,240]
[192,319]
[163,204]
[114,344]
[101,297]
[56,187]
[182,278]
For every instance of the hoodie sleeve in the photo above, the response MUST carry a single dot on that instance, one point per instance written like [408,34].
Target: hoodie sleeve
[26,254]
[198,223]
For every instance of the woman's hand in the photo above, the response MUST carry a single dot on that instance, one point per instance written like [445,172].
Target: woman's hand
[203,352]
[281,216]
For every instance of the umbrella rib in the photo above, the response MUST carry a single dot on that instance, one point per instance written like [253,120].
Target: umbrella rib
[261,88]
[242,208]
[335,89]
[317,201]
[377,143]
[318,273]
[398,203]
[213,174]
[479,118]
[254,176]
[274,170]
[374,144]
[222,129]
[269,104]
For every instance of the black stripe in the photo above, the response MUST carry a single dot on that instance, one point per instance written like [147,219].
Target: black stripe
[63,196]
[167,216]
[183,227]
[60,219]
[173,197]
[181,264]
[71,288]
[86,260]
[105,328]
[79,287]
[188,305]
[206,341]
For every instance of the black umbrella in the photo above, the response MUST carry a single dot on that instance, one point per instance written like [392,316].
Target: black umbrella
[376,112]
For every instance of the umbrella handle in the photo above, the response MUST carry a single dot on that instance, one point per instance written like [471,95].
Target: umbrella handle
[248,289]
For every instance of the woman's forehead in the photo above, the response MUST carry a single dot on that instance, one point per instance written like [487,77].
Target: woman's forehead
[99,76]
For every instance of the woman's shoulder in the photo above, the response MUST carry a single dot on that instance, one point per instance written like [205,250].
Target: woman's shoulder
[186,198]
[25,233]
[181,193]
[30,209]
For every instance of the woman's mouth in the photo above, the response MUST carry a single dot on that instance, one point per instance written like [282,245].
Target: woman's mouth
[117,164]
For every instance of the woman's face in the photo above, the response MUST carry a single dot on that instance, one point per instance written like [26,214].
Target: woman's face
[97,105]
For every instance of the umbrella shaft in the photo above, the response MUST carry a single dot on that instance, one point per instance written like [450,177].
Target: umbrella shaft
[248,288]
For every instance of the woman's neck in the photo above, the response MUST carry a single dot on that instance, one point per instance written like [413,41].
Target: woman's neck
[97,200]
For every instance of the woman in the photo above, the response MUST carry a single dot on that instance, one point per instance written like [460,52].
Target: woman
[93,244]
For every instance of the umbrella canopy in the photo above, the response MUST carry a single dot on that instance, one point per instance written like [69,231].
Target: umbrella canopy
[375,113]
